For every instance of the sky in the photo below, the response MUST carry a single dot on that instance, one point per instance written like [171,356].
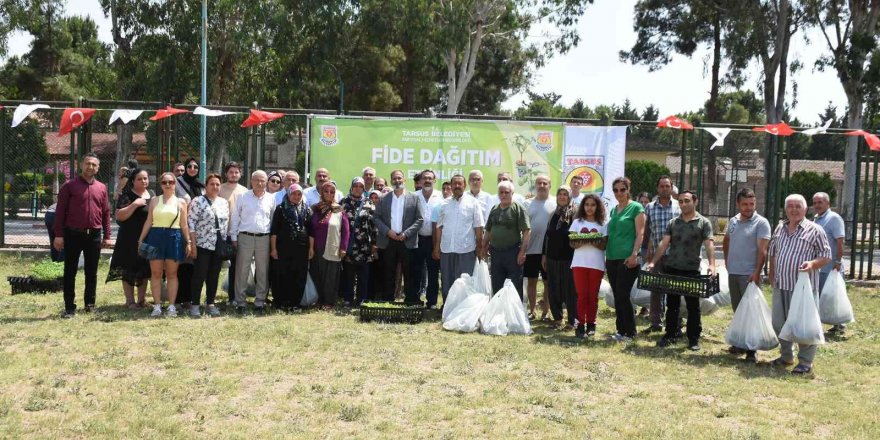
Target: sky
[592,71]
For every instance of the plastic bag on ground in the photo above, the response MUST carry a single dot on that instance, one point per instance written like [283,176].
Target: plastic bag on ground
[639,297]
[482,280]
[605,289]
[310,295]
[460,290]
[505,313]
[609,297]
[465,317]
[708,306]
[834,305]
[803,325]
[752,325]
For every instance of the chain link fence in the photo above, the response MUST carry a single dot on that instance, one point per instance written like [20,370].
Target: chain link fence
[36,162]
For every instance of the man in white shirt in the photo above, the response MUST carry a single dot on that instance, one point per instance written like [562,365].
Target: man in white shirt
[476,191]
[540,210]
[577,183]
[313,195]
[504,176]
[459,231]
[398,219]
[231,190]
[422,262]
[251,222]
[290,178]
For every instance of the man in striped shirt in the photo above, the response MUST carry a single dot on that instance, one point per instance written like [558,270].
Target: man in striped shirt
[659,213]
[797,246]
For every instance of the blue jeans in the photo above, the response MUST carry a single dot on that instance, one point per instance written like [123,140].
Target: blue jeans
[504,266]
[422,258]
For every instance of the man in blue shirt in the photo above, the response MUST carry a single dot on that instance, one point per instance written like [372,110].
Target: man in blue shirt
[835,231]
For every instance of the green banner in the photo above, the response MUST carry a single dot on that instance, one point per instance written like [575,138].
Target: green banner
[526,150]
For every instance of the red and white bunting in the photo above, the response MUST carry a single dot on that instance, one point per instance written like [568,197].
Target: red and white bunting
[260,117]
[674,122]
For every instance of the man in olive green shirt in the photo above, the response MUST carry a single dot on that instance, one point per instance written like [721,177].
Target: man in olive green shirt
[683,238]
[506,238]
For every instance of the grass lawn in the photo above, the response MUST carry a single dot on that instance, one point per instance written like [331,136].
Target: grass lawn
[120,374]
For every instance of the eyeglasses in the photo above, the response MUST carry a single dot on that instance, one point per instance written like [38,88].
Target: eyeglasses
[192,166]
[168,182]
[620,190]
[274,181]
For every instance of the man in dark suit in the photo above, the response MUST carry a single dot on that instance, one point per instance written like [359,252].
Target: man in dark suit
[398,219]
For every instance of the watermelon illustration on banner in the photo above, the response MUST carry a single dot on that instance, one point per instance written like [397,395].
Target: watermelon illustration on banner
[73,118]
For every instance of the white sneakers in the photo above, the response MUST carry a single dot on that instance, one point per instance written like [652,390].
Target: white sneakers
[157,311]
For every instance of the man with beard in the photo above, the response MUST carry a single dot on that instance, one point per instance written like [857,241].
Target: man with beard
[398,219]
[459,234]
[658,214]
[745,251]
[422,261]
[231,190]
[313,195]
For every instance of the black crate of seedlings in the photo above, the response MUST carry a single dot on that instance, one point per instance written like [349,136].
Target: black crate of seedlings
[701,286]
[393,312]
[33,285]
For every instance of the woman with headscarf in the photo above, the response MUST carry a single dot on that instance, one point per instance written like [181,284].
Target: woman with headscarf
[131,213]
[329,244]
[557,260]
[273,185]
[361,244]
[290,249]
[188,188]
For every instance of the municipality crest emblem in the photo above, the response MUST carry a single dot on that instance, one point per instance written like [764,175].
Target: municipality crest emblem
[328,135]
[544,141]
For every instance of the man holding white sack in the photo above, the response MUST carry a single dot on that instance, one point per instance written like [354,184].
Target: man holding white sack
[798,245]
[745,251]
[832,223]
[459,232]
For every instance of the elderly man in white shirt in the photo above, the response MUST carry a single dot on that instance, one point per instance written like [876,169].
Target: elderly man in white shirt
[312,195]
[250,224]
[290,178]
[459,233]
[476,182]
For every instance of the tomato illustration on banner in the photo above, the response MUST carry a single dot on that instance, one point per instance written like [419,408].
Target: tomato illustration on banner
[590,169]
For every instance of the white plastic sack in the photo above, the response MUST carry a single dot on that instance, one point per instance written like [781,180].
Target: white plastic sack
[708,306]
[482,280]
[310,295]
[639,297]
[460,290]
[505,313]
[466,316]
[834,305]
[605,289]
[752,325]
[609,297]
[803,325]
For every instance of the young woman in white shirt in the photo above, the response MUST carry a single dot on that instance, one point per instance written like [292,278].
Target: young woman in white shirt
[588,263]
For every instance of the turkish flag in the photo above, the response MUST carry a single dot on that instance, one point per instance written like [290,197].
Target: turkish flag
[780,129]
[674,122]
[73,118]
[871,139]
[163,113]
[259,117]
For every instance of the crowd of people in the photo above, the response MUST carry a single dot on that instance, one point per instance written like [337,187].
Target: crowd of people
[377,240]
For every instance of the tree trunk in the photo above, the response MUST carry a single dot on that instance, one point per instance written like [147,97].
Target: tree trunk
[124,135]
[850,161]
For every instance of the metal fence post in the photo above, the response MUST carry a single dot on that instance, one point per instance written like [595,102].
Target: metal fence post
[3,173]
[699,146]
[854,242]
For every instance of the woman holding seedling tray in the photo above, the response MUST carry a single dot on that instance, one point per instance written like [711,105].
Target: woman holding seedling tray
[588,237]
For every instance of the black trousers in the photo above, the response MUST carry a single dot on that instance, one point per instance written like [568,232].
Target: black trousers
[289,277]
[673,309]
[184,283]
[231,274]
[88,244]
[622,279]
[206,272]
[356,280]
[397,253]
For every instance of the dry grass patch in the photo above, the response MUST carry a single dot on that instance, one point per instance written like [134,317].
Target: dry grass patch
[119,374]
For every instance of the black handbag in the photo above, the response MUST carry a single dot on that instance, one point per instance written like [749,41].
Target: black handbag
[223,248]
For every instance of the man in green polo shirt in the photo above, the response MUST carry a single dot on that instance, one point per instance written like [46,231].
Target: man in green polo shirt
[683,238]
[506,239]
